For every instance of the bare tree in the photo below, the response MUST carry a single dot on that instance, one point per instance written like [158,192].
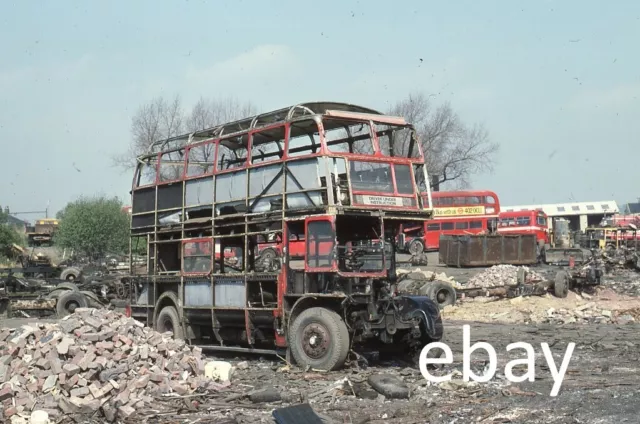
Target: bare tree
[207,113]
[453,150]
[161,119]
[157,120]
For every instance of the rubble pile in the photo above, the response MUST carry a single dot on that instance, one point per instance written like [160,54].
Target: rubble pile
[588,313]
[623,282]
[500,275]
[94,363]
[622,258]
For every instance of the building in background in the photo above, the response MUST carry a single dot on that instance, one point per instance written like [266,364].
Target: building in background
[579,214]
[17,223]
[631,208]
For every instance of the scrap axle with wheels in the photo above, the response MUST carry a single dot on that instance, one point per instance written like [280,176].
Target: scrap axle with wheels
[566,280]
[585,276]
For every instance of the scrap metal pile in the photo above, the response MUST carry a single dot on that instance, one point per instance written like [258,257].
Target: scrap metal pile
[32,297]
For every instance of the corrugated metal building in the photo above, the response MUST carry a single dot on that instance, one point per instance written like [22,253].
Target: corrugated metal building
[580,214]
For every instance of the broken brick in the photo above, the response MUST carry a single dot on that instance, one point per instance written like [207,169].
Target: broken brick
[71,369]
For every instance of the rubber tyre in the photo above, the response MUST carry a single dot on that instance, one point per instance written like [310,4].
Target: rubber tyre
[54,294]
[69,301]
[71,274]
[67,286]
[442,294]
[314,320]
[169,320]
[94,301]
[416,247]
[265,395]
[389,385]
[561,284]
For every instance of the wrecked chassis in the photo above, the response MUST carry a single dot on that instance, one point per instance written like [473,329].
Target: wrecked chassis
[22,297]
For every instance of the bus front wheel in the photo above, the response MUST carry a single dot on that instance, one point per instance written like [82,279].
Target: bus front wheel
[319,338]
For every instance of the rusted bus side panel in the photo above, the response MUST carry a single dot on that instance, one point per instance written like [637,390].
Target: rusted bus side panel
[487,250]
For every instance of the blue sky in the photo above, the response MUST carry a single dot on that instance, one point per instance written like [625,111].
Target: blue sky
[557,84]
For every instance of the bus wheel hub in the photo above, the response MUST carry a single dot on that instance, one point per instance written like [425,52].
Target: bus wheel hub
[315,341]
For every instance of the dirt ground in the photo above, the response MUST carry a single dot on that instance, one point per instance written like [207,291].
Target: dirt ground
[536,308]
[601,385]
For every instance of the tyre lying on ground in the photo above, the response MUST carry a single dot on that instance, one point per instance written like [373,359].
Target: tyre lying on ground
[389,385]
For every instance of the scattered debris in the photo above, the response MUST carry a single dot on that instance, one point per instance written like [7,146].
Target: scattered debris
[500,275]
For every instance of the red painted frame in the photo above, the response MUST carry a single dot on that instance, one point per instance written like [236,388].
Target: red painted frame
[377,157]
[175,180]
[323,218]
[197,240]
[186,160]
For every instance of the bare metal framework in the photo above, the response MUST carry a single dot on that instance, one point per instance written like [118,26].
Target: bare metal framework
[265,119]
[209,204]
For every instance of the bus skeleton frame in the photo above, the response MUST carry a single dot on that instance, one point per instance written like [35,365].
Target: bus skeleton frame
[278,175]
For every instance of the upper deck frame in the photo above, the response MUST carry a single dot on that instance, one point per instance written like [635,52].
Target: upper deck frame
[288,114]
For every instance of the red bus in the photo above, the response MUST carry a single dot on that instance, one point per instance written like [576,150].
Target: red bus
[455,213]
[525,222]
[448,204]
[426,237]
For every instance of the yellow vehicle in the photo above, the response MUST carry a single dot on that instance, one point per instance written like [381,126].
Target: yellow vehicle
[609,237]
[42,232]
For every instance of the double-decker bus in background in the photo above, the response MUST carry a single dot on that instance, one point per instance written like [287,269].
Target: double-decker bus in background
[525,222]
[328,185]
[455,213]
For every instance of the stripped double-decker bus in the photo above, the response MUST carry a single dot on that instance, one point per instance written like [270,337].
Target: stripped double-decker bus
[328,185]
[455,213]
[525,222]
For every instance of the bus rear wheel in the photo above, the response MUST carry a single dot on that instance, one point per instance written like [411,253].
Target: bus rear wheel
[319,338]
[416,247]
[169,320]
